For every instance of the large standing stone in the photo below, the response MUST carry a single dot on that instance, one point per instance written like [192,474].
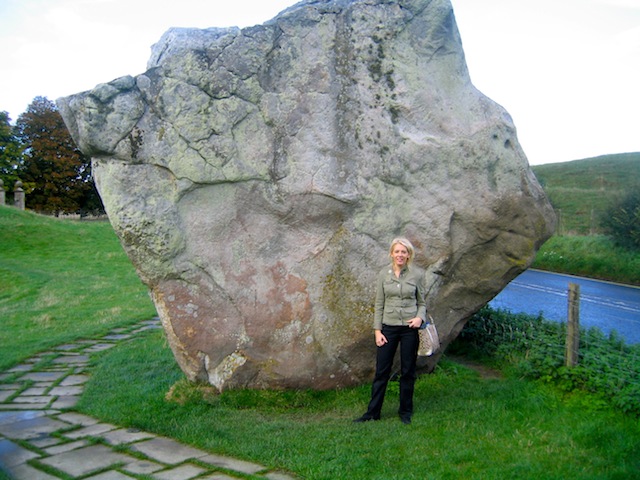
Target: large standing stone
[255,178]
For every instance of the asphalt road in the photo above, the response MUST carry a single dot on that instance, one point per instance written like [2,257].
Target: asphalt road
[605,305]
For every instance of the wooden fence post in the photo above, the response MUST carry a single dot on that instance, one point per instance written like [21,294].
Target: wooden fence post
[573,326]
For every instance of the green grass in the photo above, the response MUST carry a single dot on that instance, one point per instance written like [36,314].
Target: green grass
[60,281]
[464,426]
[589,256]
[582,190]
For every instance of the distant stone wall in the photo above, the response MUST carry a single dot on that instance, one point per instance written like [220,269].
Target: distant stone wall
[18,195]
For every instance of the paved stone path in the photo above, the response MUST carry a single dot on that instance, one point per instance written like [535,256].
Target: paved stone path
[42,438]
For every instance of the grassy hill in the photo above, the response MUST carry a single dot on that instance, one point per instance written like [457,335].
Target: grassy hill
[582,190]
[61,280]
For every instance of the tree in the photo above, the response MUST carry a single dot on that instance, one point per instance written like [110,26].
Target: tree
[55,173]
[10,152]
[622,220]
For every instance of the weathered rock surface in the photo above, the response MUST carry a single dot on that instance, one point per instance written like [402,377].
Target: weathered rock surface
[255,178]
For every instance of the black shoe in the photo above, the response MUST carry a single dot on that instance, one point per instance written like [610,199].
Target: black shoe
[406,420]
[364,418]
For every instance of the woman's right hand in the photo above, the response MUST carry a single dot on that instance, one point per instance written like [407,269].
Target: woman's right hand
[380,338]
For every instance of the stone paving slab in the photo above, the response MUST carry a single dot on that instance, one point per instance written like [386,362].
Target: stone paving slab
[65,391]
[70,346]
[278,476]
[13,417]
[117,337]
[45,441]
[143,467]
[43,376]
[65,447]
[72,360]
[41,384]
[183,472]
[123,436]
[100,347]
[5,394]
[9,386]
[147,327]
[73,380]
[232,464]
[21,368]
[217,476]
[78,418]
[43,399]
[34,428]
[21,406]
[65,402]
[27,472]
[91,431]
[168,451]
[110,476]
[12,454]
[35,391]
[87,460]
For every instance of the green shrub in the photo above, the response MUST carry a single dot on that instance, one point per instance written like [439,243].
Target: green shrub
[622,220]
[532,347]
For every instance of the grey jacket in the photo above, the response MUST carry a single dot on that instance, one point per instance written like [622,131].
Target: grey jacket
[398,300]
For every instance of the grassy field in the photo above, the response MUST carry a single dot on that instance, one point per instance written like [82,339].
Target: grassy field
[582,190]
[465,426]
[594,256]
[60,281]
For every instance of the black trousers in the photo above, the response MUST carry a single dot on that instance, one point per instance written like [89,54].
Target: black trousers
[408,340]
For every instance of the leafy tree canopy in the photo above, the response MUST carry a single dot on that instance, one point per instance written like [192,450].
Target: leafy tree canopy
[10,152]
[622,220]
[55,173]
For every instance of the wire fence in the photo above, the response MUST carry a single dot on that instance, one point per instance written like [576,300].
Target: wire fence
[573,358]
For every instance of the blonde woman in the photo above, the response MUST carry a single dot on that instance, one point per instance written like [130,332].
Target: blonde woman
[400,310]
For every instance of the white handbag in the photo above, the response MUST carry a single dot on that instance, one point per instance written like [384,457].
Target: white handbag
[429,340]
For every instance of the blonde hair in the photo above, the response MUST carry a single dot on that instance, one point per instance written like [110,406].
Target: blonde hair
[406,244]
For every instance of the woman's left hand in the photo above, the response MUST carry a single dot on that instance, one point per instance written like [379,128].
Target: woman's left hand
[415,322]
